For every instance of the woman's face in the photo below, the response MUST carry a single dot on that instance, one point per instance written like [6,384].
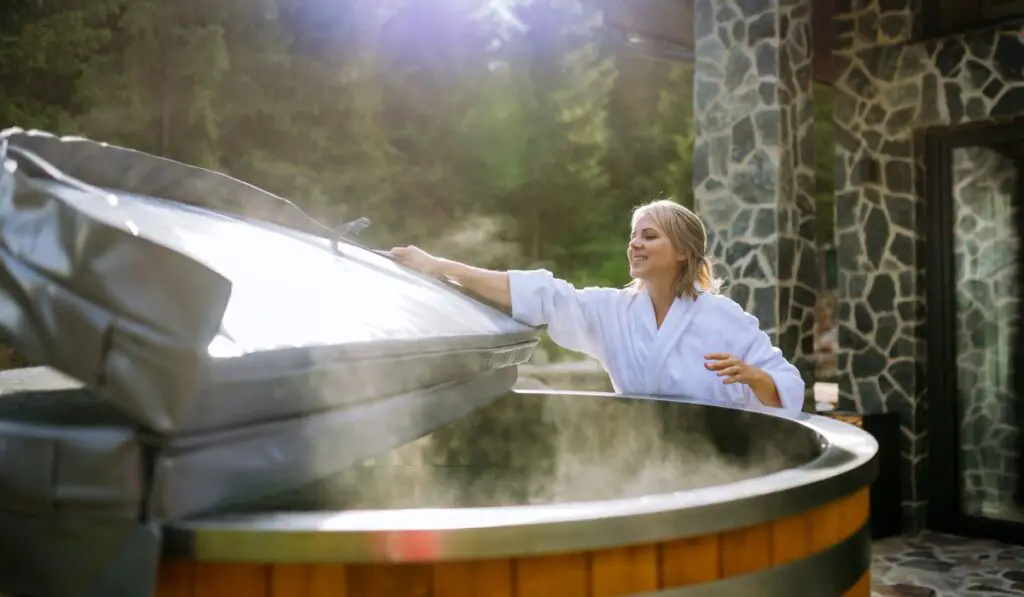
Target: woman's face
[651,254]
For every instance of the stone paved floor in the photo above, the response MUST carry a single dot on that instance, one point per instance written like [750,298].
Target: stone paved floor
[935,565]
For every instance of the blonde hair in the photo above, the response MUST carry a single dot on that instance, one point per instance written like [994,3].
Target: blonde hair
[686,232]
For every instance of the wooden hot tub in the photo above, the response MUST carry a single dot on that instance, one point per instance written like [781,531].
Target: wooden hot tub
[562,494]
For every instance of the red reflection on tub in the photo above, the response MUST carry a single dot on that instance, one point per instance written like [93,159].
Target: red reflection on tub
[408,545]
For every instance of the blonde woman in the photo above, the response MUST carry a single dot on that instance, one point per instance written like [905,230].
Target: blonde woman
[669,333]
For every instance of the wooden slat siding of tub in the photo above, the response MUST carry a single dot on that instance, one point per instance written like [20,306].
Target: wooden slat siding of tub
[601,573]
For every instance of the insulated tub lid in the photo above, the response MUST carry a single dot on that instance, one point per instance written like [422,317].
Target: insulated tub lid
[192,303]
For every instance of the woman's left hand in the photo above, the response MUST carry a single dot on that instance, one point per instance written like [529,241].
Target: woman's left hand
[732,369]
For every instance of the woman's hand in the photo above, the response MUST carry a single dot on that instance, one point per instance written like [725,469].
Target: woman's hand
[418,259]
[734,370]
[490,285]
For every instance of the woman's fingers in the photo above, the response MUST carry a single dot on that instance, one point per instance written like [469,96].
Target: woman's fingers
[720,362]
[718,356]
[408,255]
[415,258]
[731,371]
[728,367]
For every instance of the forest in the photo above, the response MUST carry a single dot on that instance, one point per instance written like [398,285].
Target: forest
[512,133]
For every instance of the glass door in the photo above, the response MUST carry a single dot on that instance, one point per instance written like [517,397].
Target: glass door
[986,247]
[974,259]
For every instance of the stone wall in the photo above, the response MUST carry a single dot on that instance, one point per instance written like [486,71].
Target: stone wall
[753,164]
[986,244]
[890,89]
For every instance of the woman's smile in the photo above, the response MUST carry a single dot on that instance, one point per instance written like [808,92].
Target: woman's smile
[650,251]
[636,264]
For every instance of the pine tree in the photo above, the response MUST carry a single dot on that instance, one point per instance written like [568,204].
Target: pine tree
[653,134]
[42,48]
[435,62]
[154,87]
[674,118]
[322,142]
[565,75]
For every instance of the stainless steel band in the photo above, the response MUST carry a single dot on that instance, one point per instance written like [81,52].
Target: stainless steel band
[828,573]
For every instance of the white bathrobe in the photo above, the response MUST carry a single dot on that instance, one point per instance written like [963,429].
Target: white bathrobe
[617,327]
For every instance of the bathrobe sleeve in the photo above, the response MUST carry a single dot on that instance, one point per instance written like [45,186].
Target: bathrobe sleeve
[573,316]
[762,354]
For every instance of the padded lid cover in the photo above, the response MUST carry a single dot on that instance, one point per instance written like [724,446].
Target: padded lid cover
[164,298]
[63,448]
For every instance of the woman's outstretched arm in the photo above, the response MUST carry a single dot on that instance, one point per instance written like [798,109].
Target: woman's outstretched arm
[488,284]
[534,297]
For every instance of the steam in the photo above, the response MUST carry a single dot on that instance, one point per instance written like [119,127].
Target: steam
[541,449]
[614,450]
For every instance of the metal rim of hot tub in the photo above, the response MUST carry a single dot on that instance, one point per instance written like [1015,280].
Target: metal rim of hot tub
[825,498]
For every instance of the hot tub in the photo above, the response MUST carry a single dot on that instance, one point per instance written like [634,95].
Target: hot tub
[562,494]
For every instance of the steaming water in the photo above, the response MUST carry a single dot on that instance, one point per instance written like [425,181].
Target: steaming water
[535,449]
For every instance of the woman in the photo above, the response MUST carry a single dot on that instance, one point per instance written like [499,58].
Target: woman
[668,333]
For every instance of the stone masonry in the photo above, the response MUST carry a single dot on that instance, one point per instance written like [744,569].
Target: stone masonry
[753,164]
[890,89]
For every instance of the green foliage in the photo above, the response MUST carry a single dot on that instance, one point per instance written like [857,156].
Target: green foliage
[42,48]
[507,134]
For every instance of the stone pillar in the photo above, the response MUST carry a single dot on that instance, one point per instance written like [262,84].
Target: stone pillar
[753,162]
[879,177]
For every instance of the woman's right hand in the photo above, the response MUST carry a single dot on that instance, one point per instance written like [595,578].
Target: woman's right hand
[490,285]
[418,259]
